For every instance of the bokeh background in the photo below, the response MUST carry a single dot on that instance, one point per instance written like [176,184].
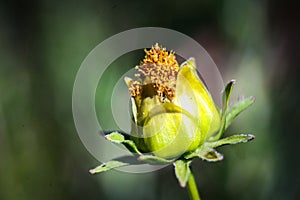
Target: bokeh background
[42,44]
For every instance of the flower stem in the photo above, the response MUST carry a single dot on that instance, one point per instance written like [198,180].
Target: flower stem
[192,188]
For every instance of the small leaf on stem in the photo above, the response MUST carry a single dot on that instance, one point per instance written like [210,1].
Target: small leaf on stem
[120,139]
[108,166]
[234,139]
[182,171]
[115,137]
[154,159]
[225,101]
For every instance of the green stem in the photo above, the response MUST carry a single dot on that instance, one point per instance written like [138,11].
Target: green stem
[192,188]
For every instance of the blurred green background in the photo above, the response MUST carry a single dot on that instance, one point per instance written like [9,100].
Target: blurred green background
[42,44]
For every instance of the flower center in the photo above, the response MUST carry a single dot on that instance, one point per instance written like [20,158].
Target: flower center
[158,70]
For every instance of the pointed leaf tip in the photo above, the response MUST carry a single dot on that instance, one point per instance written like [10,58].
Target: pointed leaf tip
[115,137]
[108,166]
[234,139]
[118,138]
[182,171]
[250,136]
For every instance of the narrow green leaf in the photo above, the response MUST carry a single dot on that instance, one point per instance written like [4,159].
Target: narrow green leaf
[205,153]
[108,166]
[234,139]
[117,162]
[115,137]
[182,171]
[119,139]
[225,101]
[226,96]
[237,109]
[154,159]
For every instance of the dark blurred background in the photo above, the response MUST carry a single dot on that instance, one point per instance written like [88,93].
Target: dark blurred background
[42,44]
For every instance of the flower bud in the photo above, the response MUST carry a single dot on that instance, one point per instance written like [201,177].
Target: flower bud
[173,112]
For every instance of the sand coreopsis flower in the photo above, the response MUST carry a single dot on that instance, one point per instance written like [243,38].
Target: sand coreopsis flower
[172,110]
[174,118]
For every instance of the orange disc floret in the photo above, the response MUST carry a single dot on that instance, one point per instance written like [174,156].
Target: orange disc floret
[159,68]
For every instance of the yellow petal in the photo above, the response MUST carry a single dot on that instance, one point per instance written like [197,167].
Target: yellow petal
[192,96]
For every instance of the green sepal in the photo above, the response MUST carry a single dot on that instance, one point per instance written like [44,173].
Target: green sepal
[117,162]
[234,139]
[192,95]
[151,159]
[182,171]
[225,100]
[115,137]
[233,112]
[118,138]
[226,96]
[205,153]
[108,166]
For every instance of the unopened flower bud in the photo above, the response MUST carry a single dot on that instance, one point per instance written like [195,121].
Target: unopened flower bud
[173,112]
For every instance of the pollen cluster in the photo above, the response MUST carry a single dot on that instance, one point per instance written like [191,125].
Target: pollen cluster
[159,68]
